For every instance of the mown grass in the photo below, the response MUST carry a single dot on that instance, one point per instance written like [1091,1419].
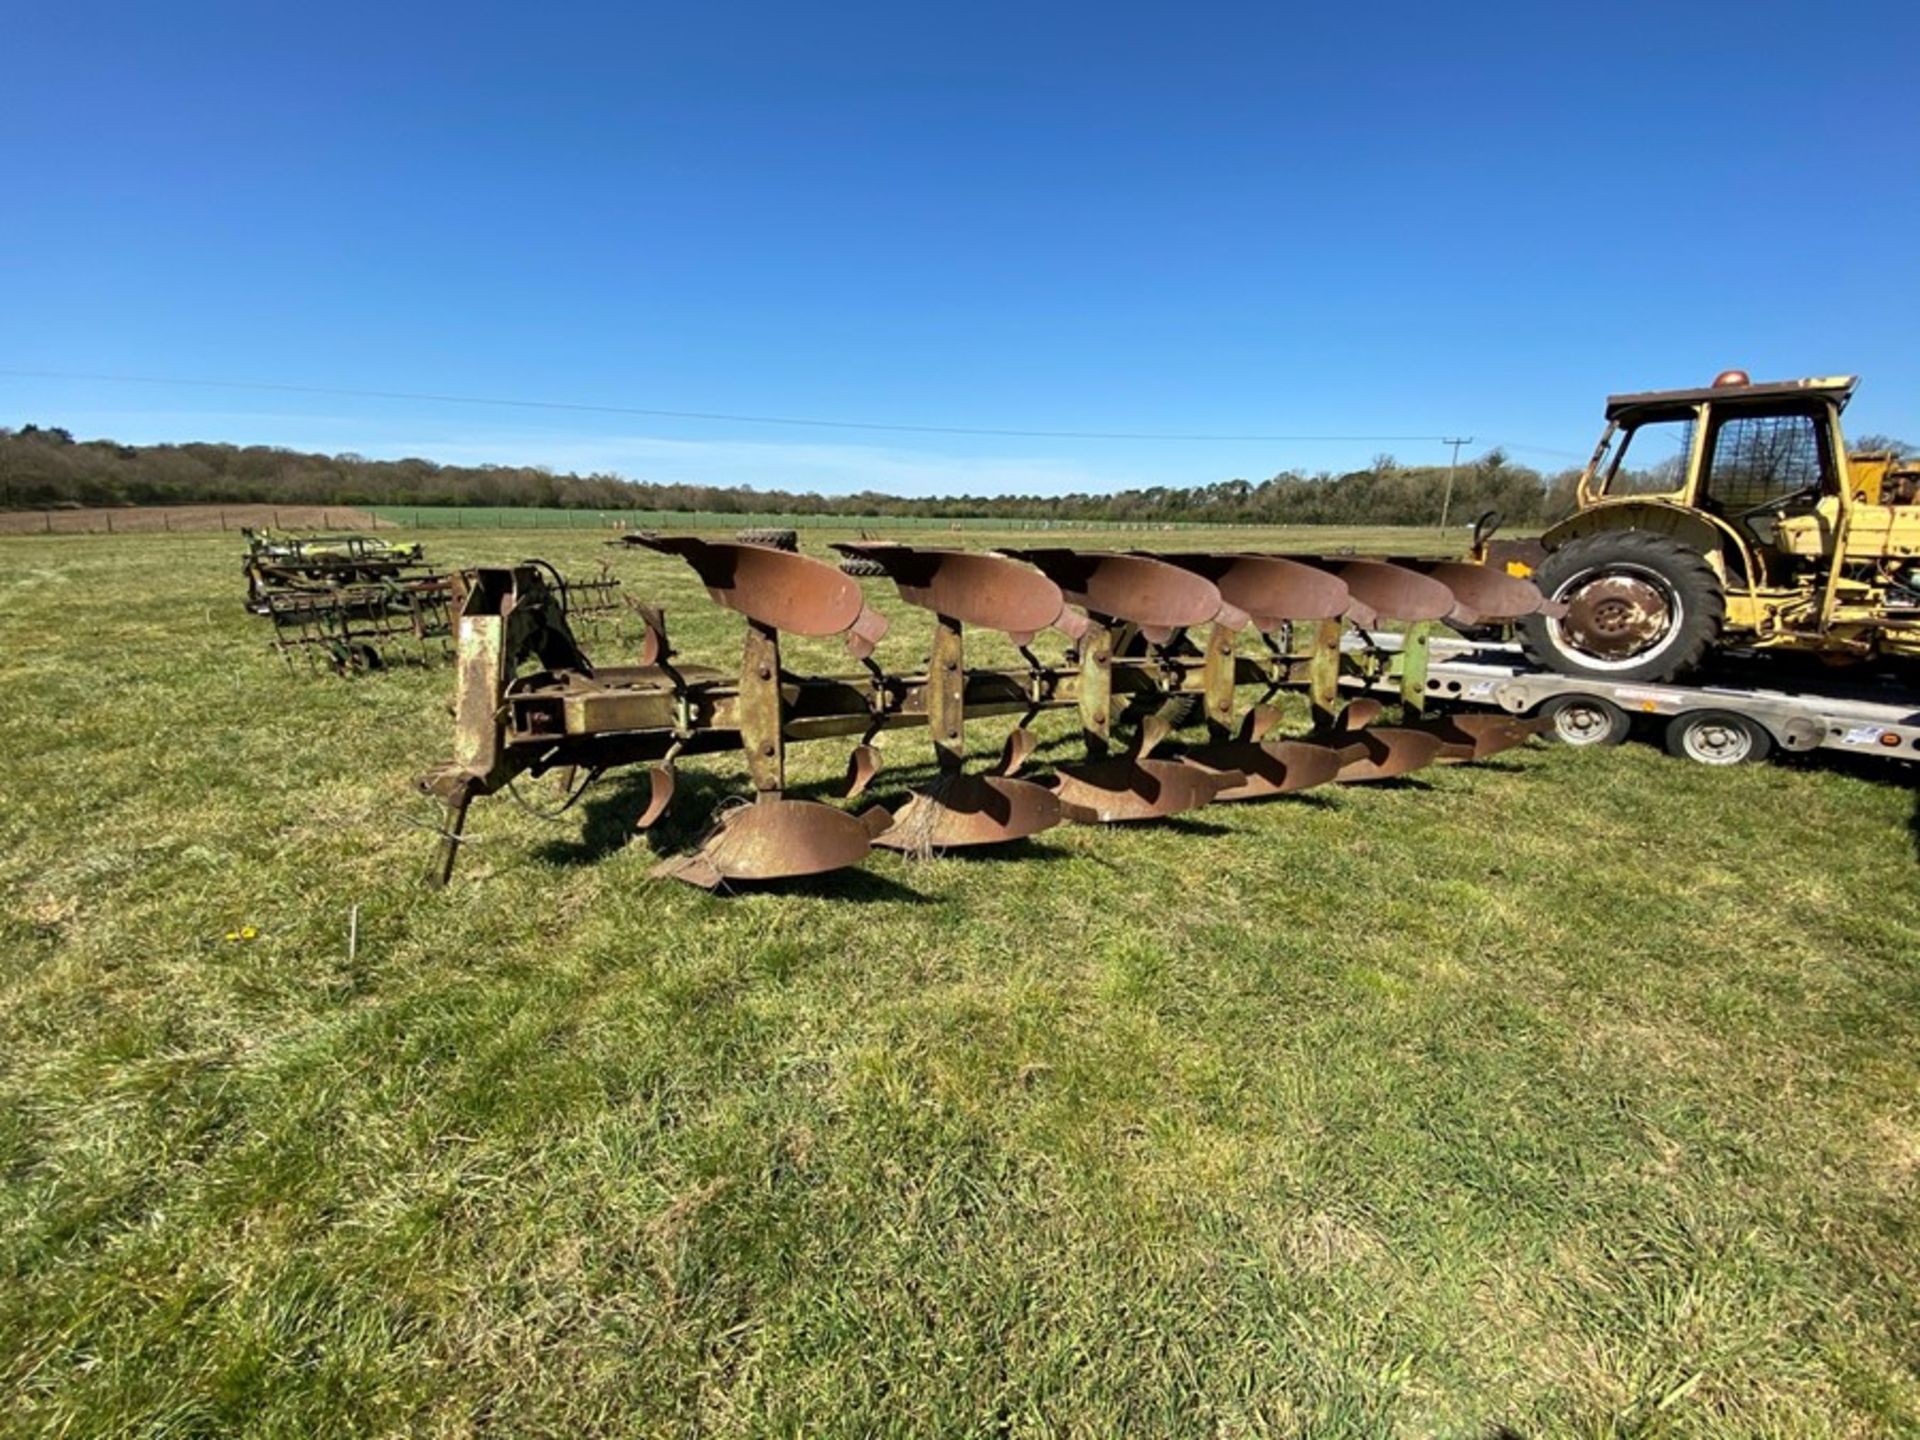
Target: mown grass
[1572,1094]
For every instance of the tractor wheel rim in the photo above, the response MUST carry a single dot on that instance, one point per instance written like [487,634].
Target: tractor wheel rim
[1617,616]
[1717,742]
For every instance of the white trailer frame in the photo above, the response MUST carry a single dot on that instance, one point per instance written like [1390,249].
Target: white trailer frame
[1881,723]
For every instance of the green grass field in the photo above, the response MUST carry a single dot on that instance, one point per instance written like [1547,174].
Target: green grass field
[1577,1093]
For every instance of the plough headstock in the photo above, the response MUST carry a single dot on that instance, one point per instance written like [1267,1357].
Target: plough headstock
[1150,634]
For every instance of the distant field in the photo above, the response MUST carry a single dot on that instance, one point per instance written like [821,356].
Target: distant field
[1572,1094]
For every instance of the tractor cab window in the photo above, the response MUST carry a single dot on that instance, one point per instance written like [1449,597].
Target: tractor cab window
[1651,458]
[1758,462]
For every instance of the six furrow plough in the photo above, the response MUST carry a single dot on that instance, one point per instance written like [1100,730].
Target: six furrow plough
[1151,637]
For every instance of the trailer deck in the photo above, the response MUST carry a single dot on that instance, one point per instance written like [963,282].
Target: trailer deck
[1878,719]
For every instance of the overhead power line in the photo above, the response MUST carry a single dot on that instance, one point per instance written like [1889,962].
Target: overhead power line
[729,417]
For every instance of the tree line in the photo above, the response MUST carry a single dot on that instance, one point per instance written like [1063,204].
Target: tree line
[46,467]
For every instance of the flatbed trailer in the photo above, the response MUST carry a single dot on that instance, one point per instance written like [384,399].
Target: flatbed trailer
[1725,719]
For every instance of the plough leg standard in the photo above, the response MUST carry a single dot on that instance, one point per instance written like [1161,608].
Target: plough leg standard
[1151,636]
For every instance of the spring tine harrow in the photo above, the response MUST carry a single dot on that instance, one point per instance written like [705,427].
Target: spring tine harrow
[1148,636]
[356,603]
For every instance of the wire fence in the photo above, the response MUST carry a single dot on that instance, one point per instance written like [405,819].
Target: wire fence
[186,519]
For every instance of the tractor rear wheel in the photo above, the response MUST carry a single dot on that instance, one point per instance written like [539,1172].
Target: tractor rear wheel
[1639,606]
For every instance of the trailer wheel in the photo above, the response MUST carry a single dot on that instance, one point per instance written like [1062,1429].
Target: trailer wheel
[1586,720]
[1717,737]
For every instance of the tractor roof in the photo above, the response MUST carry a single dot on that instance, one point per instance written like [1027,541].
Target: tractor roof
[1654,404]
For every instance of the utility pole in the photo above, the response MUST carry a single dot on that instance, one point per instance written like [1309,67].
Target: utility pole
[1446,500]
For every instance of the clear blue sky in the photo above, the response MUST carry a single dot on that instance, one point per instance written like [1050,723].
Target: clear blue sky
[1364,219]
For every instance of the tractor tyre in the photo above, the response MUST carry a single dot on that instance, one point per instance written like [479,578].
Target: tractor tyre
[788,540]
[862,568]
[1639,606]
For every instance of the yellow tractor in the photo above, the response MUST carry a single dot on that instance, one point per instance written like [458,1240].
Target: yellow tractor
[1730,516]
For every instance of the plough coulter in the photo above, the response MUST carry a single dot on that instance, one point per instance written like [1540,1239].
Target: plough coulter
[1157,644]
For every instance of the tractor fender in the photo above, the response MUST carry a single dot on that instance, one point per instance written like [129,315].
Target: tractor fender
[1723,547]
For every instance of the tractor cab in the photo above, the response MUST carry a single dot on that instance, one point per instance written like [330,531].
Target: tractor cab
[1729,513]
[1765,462]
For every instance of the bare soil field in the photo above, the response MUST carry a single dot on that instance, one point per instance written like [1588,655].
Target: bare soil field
[145,519]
